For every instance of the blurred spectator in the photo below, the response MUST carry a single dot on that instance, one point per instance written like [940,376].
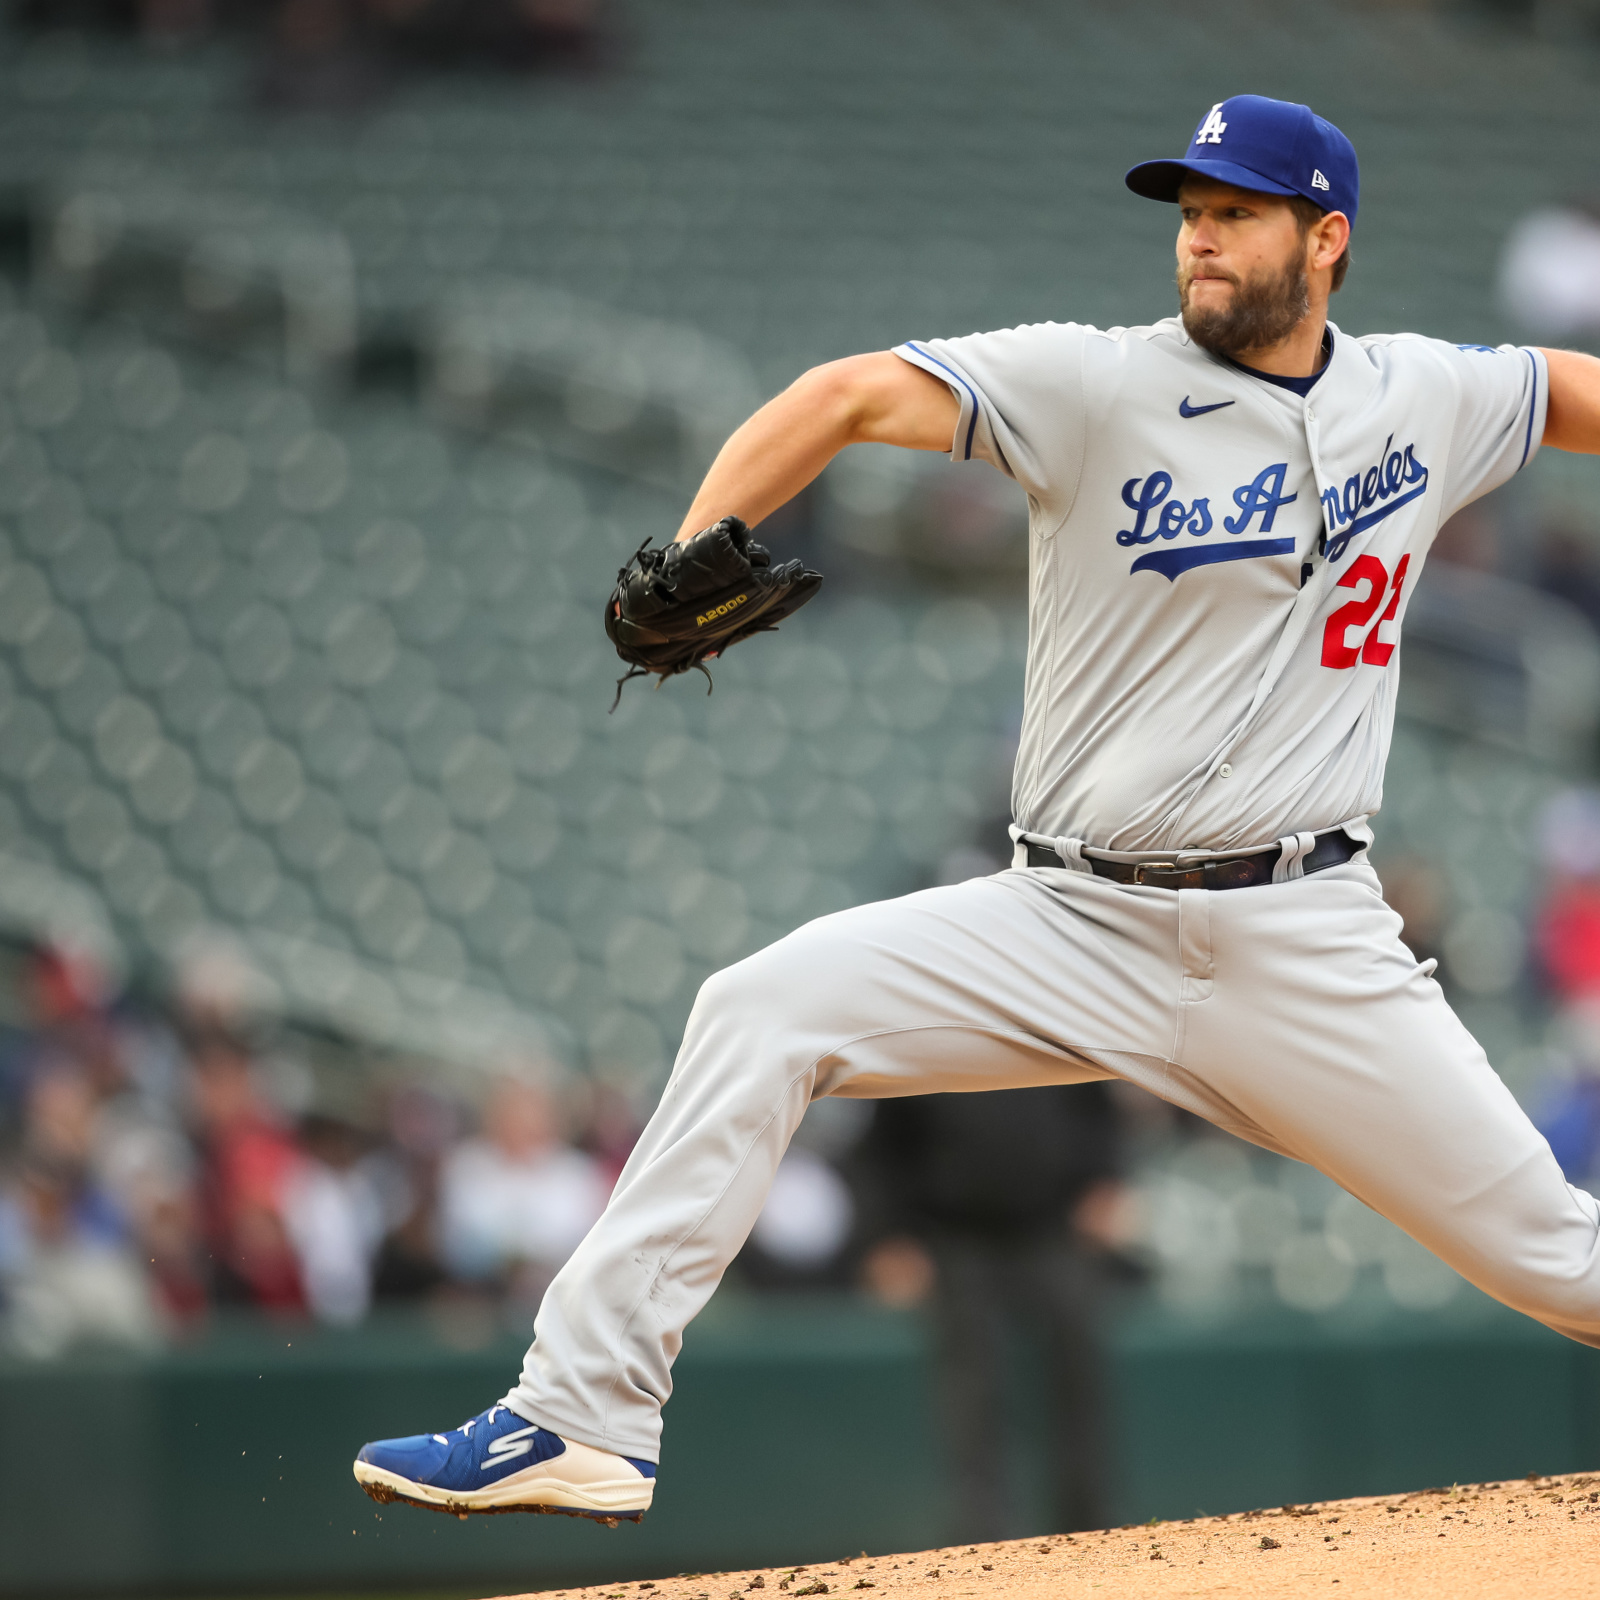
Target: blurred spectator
[422,1127]
[339,54]
[60,994]
[1567,925]
[248,1164]
[1567,942]
[1569,1114]
[216,987]
[111,16]
[67,1278]
[1568,938]
[611,1129]
[1550,271]
[519,35]
[96,1088]
[1468,539]
[169,1241]
[803,1237]
[148,1169]
[334,1215]
[1567,565]
[799,1238]
[1415,890]
[63,984]
[990,1201]
[515,1201]
[155,1165]
[318,59]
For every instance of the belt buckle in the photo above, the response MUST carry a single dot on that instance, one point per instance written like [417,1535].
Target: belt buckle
[1142,867]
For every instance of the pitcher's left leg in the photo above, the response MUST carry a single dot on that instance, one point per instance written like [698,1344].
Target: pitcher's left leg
[995,983]
[1329,1041]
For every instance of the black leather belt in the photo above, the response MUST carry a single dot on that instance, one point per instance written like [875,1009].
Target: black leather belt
[1238,872]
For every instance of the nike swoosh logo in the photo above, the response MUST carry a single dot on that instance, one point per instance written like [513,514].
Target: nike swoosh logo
[1187,410]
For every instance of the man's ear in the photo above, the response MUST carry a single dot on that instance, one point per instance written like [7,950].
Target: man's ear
[1330,236]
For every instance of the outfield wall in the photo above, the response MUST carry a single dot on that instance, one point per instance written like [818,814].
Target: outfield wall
[801,1431]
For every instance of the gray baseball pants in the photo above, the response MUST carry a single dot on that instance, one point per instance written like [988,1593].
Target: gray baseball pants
[1290,1014]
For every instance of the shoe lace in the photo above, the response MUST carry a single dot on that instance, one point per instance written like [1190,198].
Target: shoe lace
[487,1419]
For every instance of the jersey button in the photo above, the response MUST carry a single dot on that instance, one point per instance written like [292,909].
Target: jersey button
[1225,770]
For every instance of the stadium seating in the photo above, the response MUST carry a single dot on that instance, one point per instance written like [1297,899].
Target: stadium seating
[745,173]
[325,673]
[310,662]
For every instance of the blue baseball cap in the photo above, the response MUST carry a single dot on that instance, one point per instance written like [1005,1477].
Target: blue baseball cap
[1272,146]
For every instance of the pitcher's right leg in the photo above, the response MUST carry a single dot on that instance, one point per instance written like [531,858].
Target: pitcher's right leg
[1325,1038]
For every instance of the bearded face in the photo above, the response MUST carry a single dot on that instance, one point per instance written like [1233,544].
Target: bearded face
[1263,309]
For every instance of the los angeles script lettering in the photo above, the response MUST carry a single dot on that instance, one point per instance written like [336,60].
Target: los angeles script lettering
[1364,499]
[1398,473]
[1259,498]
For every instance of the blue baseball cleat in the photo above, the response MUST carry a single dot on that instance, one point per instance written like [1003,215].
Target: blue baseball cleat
[500,1461]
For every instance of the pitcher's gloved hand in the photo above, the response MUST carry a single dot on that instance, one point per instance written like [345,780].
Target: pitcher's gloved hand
[675,608]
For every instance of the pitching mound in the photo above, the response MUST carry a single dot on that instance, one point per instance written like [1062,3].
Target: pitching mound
[1491,1541]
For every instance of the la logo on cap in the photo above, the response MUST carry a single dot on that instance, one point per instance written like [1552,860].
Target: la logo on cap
[1213,128]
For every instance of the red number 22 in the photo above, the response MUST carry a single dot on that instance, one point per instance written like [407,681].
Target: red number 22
[1337,651]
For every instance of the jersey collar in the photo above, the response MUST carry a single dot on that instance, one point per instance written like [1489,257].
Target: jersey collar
[1295,386]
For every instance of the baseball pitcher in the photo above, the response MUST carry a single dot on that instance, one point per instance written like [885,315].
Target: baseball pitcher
[1229,511]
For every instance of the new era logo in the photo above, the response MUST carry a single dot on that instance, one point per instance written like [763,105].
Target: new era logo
[1317,180]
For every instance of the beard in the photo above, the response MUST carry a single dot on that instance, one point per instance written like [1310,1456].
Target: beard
[1262,311]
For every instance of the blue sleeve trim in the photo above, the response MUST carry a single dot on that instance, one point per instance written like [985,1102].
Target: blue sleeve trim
[966,454]
[1533,406]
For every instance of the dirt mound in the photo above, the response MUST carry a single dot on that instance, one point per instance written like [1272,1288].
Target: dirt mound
[1489,1541]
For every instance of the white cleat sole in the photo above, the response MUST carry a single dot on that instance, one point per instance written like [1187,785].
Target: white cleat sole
[580,1482]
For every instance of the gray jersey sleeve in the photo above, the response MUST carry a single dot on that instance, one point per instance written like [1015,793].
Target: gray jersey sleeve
[1022,408]
[1501,397]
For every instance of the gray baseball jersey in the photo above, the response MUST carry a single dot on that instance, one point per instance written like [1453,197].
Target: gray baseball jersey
[1220,566]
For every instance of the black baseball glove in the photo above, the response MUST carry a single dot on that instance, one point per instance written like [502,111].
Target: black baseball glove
[676,607]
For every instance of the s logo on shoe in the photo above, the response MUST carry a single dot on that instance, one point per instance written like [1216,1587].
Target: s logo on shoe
[509,1445]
